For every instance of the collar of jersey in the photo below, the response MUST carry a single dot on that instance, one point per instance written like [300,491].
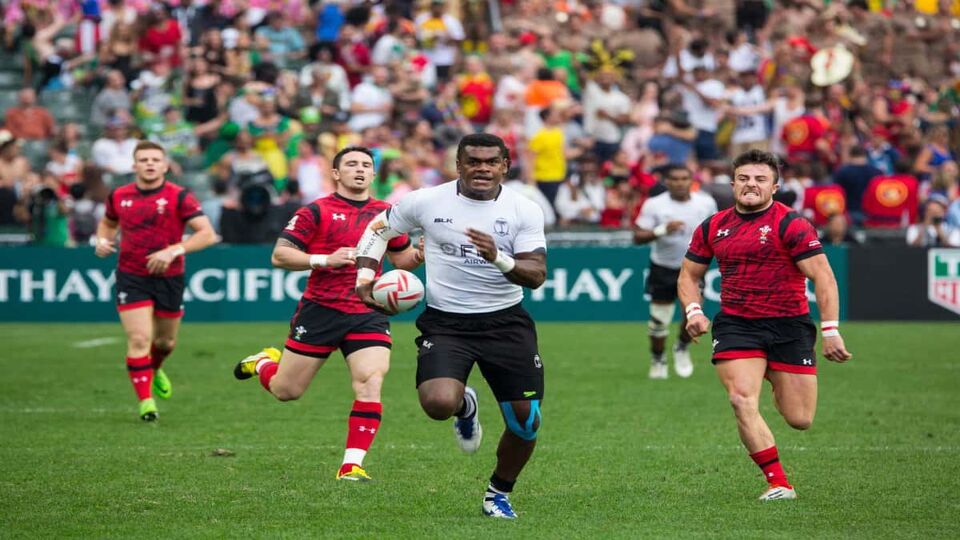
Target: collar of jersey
[753,215]
[457,181]
[150,191]
[351,202]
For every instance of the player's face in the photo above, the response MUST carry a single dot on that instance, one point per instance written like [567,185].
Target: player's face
[481,170]
[678,183]
[149,166]
[754,186]
[355,173]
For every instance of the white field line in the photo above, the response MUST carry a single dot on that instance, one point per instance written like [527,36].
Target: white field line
[97,342]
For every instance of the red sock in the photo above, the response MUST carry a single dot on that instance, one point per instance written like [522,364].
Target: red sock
[267,371]
[140,371]
[159,355]
[362,427]
[769,462]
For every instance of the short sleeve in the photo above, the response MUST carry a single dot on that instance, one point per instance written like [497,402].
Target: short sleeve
[700,250]
[646,219]
[404,215]
[302,226]
[530,237]
[800,239]
[110,210]
[188,207]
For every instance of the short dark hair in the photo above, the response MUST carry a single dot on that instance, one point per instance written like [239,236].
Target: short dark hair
[347,150]
[148,145]
[482,139]
[759,157]
[667,170]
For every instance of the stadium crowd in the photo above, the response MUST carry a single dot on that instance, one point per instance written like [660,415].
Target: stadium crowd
[595,99]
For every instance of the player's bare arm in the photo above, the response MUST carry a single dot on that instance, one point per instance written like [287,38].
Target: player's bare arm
[688,289]
[817,269]
[289,256]
[203,237]
[529,269]
[645,236]
[408,259]
[106,236]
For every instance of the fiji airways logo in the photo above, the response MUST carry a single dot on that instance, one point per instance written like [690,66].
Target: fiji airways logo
[339,217]
[764,231]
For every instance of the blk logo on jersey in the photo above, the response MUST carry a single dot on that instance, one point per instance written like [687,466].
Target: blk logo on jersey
[443,220]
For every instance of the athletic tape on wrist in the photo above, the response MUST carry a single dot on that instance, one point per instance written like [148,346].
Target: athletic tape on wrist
[365,275]
[660,230]
[830,328]
[504,262]
[318,261]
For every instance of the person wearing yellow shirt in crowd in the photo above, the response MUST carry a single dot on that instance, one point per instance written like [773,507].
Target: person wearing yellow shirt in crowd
[548,149]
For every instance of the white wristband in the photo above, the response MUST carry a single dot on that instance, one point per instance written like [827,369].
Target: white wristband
[692,309]
[365,275]
[830,328]
[179,250]
[660,230]
[103,241]
[318,261]
[830,333]
[504,262]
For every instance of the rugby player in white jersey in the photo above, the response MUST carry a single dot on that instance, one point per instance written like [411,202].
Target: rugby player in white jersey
[668,221]
[484,243]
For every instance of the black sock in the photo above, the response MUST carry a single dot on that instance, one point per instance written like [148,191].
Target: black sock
[499,485]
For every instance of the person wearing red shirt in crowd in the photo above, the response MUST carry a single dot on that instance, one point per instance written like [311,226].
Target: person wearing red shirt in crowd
[476,91]
[892,200]
[28,120]
[151,213]
[321,237]
[162,38]
[765,253]
[809,137]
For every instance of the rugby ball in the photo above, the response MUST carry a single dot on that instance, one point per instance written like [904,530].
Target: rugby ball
[398,290]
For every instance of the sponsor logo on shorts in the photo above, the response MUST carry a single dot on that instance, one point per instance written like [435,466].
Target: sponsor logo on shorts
[529,393]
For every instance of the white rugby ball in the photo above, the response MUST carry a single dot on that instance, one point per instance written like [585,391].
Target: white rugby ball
[398,290]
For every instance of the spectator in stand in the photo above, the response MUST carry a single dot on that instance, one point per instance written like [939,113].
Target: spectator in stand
[281,40]
[200,96]
[112,101]
[953,214]
[672,140]
[788,104]
[837,232]
[27,120]
[272,131]
[353,54]
[933,231]
[935,152]
[853,177]
[606,112]
[555,56]
[64,166]
[749,106]
[581,198]
[89,198]
[15,176]
[476,92]
[335,77]
[441,34]
[175,134]
[880,153]
[891,201]
[311,171]
[703,100]
[162,37]
[113,152]
[809,137]
[371,101]
[549,152]
[119,50]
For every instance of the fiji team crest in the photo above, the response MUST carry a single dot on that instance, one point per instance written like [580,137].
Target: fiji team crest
[501,227]
[943,278]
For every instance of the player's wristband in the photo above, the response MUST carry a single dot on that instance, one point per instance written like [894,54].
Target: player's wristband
[830,328]
[365,275]
[103,241]
[660,230]
[178,251]
[692,309]
[318,261]
[504,262]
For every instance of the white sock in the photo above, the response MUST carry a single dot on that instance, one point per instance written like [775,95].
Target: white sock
[260,364]
[354,455]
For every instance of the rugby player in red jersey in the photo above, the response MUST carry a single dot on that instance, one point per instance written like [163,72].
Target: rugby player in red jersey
[150,213]
[765,253]
[322,237]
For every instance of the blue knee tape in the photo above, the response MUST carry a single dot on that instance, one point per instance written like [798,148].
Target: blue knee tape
[526,432]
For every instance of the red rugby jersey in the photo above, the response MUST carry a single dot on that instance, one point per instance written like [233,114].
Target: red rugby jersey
[757,254]
[149,221]
[322,227]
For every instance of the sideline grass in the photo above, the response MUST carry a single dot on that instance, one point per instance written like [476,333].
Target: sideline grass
[619,456]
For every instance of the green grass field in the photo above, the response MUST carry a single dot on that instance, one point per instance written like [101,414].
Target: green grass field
[619,456]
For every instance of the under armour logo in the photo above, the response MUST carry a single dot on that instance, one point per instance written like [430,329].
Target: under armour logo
[341,217]
[140,379]
[536,361]
[723,232]
[299,331]
[370,429]
[126,204]
[427,344]
[807,361]
[122,296]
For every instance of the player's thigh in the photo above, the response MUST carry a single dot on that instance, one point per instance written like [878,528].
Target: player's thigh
[367,363]
[445,357]
[138,326]
[742,378]
[165,329]
[795,395]
[296,371]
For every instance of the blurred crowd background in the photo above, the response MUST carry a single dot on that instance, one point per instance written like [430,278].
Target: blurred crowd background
[595,99]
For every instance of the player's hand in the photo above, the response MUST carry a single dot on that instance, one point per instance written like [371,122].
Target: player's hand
[364,290]
[105,247]
[674,226]
[834,349]
[697,326]
[419,256]
[345,256]
[159,261]
[484,243]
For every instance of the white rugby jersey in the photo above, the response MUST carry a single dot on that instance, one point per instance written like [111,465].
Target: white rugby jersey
[668,250]
[459,280]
